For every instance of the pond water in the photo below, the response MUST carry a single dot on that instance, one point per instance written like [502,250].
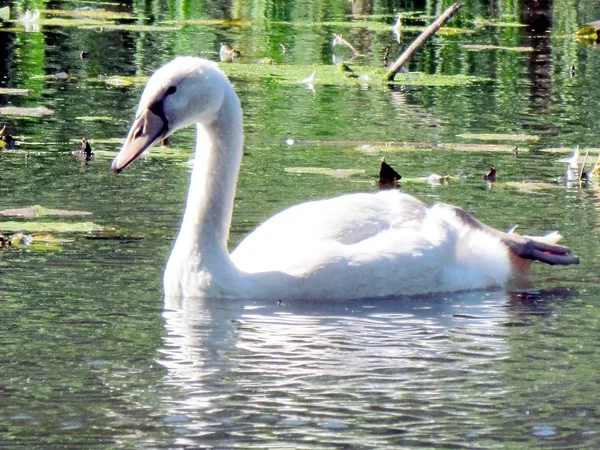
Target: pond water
[92,358]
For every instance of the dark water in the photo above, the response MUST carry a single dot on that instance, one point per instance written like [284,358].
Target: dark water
[91,358]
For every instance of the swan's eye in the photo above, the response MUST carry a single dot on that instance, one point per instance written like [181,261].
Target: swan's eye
[171,90]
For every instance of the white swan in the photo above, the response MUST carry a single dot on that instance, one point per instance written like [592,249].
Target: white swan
[353,246]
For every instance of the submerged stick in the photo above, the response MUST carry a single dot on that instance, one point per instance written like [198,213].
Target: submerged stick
[420,40]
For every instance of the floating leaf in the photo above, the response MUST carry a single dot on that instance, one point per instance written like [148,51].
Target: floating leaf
[157,152]
[35,242]
[89,13]
[53,227]
[108,119]
[40,111]
[529,187]
[394,147]
[40,211]
[451,31]
[500,137]
[494,148]
[337,173]
[477,47]
[107,141]
[119,80]
[14,91]
[589,31]
[59,22]
[134,27]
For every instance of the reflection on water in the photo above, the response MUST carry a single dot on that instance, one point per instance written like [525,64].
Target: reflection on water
[357,373]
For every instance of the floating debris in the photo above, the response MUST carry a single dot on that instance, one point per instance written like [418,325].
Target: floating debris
[499,137]
[388,177]
[30,16]
[41,211]
[4,242]
[14,91]
[435,180]
[491,175]
[85,153]
[6,140]
[309,80]
[228,53]
[40,111]
[347,71]
[336,173]
[55,227]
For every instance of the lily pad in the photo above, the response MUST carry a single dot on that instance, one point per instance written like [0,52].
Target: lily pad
[337,173]
[40,211]
[40,111]
[14,91]
[500,137]
[54,227]
[477,47]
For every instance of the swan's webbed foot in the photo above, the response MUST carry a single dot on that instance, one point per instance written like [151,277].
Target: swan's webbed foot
[525,247]
[530,248]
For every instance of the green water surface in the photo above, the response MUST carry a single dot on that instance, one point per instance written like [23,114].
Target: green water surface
[89,356]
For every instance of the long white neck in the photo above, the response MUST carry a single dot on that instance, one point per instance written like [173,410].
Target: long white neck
[205,227]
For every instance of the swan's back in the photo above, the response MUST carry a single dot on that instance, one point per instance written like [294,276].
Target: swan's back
[380,244]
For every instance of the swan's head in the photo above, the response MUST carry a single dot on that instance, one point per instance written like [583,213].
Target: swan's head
[185,91]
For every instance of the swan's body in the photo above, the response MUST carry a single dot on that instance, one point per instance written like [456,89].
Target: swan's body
[353,246]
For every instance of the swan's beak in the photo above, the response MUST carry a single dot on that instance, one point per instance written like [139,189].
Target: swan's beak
[147,129]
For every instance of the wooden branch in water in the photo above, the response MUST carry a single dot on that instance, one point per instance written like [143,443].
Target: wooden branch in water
[421,39]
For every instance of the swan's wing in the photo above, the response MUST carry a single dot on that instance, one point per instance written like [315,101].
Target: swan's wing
[373,245]
[348,219]
[345,220]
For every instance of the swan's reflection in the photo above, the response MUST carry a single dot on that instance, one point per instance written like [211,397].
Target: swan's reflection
[233,366]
